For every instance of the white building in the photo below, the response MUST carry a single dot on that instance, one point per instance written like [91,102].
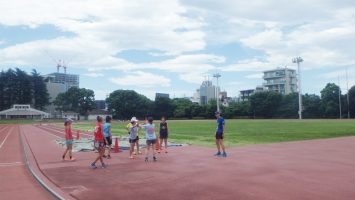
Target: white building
[58,83]
[20,111]
[282,80]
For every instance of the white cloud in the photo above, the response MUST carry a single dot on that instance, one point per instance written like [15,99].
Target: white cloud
[142,79]
[255,76]
[94,75]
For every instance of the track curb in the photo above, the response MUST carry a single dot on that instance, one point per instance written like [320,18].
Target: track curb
[56,194]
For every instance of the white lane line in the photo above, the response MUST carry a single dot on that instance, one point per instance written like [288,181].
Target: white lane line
[61,132]
[10,131]
[11,164]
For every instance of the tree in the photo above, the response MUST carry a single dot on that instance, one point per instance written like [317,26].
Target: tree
[163,106]
[265,104]
[288,107]
[183,108]
[40,94]
[124,104]
[352,101]
[78,100]
[330,100]
[311,106]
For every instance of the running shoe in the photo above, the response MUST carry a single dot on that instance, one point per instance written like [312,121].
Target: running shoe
[131,157]
[72,159]
[139,152]
[103,165]
[224,154]
[218,154]
[93,166]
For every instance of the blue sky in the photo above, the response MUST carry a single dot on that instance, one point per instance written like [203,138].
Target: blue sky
[172,46]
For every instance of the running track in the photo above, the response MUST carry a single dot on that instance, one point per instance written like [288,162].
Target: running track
[318,169]
[15,179]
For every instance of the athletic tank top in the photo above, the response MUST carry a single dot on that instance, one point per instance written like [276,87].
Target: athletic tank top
[98,132]
[68,133]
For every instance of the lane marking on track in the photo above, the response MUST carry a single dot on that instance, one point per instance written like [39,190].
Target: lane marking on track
[57,131]
[10,164]
[5,138]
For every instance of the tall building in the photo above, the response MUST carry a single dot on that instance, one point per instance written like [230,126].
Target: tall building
[58,83]
[162,95]
[282,80]
[196,96]
[207,92]
[100,104]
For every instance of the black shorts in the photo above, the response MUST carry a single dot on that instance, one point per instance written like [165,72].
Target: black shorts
[134,140]
[163,135]
[149,142]
[109,141]
[219,136]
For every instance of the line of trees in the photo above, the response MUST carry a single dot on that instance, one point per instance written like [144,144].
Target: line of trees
[18,87]
[124,104]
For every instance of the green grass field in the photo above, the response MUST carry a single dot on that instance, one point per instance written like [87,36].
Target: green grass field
[245,132]
[238,132]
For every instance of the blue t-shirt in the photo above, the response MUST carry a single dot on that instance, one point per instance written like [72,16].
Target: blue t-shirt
[149,131]
[220,123]
[107,129]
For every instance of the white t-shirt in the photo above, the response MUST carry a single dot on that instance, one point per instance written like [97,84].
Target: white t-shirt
[149,131]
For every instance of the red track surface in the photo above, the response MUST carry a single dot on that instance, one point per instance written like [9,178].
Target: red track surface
[15,180]
[318,169]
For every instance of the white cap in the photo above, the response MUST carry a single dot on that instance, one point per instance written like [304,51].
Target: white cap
[134,119]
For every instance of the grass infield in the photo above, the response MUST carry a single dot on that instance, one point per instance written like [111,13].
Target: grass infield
[237,132]
[245,132]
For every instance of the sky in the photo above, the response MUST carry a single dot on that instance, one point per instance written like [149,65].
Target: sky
[171,46]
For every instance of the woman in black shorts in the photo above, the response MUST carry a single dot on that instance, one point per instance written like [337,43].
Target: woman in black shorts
[163,134]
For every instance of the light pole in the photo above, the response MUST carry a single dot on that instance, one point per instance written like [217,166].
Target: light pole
[217,76]
[298,60]
[347,96]
[339,98]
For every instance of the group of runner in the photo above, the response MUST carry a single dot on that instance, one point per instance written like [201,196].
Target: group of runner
[103,138]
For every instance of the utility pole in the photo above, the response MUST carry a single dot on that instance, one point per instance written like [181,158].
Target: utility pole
[298,60]
[217,76]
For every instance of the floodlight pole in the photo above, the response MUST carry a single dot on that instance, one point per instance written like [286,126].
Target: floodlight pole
[347,96]
[339,99]
[217,76]
[298,60]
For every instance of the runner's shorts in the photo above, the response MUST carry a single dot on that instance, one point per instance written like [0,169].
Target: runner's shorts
[99,145]
[149,142]
[219,136]
[68,142]
[109,141]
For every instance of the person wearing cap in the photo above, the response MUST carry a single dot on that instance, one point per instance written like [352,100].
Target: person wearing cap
[68,139]
[220,135]
[134,120]
[133,136]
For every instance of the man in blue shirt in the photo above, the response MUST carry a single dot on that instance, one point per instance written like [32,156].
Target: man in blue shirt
[220,135]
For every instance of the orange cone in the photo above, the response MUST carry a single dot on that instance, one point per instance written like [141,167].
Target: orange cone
[78,135]
[157,146]
[117,148]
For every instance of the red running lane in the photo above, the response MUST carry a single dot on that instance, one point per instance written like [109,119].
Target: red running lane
[317,169]
[15,180]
